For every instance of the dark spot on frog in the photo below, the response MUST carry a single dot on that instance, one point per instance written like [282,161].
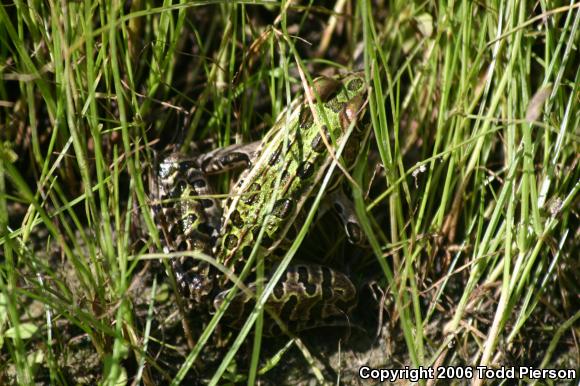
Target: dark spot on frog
[199,183]
[182,246]
[275,158]
[246,251]
[310,289]
[302,274]
[231,241]
[237,219]
[317,143]
[205,228]
[206,203]
[305,170]
[266,241]
[186,166]
[289,306]
[305,120]
[283,208]
[278,291]
[174,231]
[252,194]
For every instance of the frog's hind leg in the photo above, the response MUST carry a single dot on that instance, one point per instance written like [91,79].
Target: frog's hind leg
[307,295]
[188,217]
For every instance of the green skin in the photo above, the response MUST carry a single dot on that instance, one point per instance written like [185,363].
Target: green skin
[289,163]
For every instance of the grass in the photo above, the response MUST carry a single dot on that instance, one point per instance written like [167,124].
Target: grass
[467,190]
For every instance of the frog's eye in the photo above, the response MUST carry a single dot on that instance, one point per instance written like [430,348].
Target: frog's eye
[355,84]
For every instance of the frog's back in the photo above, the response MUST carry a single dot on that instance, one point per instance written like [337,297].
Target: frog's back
[290,165]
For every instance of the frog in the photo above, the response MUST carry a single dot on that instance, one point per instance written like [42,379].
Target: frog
[266,207]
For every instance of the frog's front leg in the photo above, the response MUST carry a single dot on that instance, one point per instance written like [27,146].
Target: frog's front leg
[344,207]
[227,158]
[307,296]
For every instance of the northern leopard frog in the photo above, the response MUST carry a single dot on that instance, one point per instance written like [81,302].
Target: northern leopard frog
[289,164]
